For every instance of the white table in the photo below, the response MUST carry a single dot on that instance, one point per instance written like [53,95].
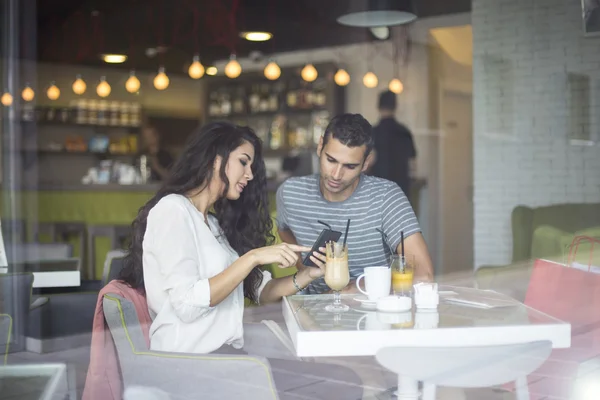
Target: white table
[360,332]
[50,273]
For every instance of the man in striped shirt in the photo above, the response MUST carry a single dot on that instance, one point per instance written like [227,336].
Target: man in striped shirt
[342,191]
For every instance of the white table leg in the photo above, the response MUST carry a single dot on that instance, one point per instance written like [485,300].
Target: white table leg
[428,391]
[408,388]
[522,388]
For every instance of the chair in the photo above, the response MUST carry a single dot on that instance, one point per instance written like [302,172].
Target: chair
[182,376]
[15,301]
[14,225]
[66,321]
[113,265]
[466,367]
[5,331]
[117,235]
[63,231]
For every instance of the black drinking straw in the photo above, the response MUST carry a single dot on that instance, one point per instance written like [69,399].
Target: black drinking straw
[403,260]
[402,241]
[346,234]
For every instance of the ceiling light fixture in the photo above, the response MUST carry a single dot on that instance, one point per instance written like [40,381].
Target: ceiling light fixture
[114,58]
[196,70]
[103,89]
[79,86]
[233,69]
[212,71]
[341,77]
[6,99]
[27,94]
[132,85]
[272,71]
[370,80]
[309,73]
[256,36]
[371,13]
[161,80]
[53,91]
[396,86]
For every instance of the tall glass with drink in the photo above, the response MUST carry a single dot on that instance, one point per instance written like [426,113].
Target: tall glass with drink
[402,274]
[337,275]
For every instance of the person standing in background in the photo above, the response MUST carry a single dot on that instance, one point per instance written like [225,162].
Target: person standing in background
[394,147]
[159,160]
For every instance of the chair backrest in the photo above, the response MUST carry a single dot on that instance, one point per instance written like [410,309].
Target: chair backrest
[478,366]
[113,265]
[31,252]
[5,332]
[15,299]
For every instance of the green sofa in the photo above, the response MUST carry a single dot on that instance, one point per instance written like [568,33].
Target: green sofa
[542,232]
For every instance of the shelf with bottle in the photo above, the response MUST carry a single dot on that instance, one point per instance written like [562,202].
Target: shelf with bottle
[267,98]
[83,112]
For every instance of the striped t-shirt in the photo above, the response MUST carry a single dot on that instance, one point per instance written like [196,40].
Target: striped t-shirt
[376,203]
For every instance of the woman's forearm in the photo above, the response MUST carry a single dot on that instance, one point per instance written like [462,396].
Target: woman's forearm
[280,287]
[223,284]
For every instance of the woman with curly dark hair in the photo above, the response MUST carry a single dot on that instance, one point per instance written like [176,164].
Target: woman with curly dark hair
[195,265]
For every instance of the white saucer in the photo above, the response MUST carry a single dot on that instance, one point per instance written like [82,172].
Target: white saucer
[366,303]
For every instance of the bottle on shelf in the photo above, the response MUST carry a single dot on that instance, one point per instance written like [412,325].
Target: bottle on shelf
[114,113]
[124,114]
[254,99]
[225,103]
[135,116]
[276,132]
[92,115]
[292,95]
[238,101]
[102,112]
[82,111]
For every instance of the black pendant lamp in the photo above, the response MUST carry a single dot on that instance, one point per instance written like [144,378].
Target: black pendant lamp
[374,13]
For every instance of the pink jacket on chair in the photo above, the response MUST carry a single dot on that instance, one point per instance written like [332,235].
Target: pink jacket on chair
[103,381]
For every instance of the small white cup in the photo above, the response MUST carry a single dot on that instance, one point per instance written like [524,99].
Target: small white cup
[378,282]
[373,322]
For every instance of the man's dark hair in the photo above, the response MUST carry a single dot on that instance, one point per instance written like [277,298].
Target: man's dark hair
[352,130]
[387,100]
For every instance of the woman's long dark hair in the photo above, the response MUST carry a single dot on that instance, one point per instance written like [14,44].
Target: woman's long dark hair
[245,222]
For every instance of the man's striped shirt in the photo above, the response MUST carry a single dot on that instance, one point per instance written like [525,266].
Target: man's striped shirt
[375,204]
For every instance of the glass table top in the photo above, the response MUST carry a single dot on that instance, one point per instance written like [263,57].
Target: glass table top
[310,314]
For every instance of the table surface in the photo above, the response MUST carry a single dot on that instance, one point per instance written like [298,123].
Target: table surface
[362,332]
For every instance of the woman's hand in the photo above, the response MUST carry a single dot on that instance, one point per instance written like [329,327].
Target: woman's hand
[283,254]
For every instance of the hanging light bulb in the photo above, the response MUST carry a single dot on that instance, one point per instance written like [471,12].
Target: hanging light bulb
[309,73]
[233,69]
[53,92]
[341,77]
[103,89]
[272,71]
[161,80]
[27,94]
[6,99]
[370,80]
[396,86]
[196,70]
[79,86]
[132,85]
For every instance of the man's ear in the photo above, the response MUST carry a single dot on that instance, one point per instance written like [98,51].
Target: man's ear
[320,146]
[369,161]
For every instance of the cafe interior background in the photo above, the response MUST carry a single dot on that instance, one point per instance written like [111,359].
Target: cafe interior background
[502,97]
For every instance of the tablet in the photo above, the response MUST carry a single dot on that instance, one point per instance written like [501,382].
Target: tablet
[326,235]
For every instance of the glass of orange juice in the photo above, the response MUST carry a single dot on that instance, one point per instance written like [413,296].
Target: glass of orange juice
[402,277]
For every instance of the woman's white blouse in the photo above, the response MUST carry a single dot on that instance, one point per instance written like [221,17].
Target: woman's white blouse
[180,254]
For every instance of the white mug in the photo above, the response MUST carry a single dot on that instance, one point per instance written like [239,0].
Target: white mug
[378,282]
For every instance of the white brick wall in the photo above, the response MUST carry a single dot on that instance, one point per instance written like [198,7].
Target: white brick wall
[524,51]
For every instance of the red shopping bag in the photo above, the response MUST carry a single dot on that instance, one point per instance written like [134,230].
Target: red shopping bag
[571,295]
